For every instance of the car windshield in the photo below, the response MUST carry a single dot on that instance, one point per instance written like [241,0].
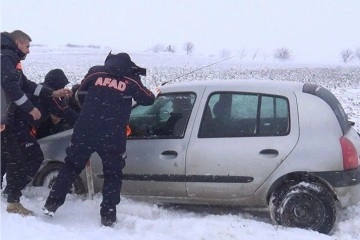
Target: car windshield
[166,118]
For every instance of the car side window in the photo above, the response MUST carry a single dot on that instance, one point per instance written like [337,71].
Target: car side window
[244,115]
[166,118]
[274,116]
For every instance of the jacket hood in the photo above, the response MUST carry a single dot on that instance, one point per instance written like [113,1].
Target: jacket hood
[95,69]
[7,43]
[121,65]
[56,79]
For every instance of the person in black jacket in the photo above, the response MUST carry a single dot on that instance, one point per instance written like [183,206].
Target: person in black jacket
[14,48]
[56,114]
[26,129]
[101,128]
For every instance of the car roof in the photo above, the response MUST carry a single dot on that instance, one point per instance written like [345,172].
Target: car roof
[285,85]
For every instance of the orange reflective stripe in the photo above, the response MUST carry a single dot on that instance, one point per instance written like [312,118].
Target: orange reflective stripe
[33,132]
[128,130]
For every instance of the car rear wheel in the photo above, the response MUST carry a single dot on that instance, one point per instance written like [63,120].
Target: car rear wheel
[304,205]
[46,177]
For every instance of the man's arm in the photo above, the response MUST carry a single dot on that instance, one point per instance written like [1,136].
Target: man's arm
[10,83]
[43,91]
[60,109]
[142,95]
[83,88]
[10,78]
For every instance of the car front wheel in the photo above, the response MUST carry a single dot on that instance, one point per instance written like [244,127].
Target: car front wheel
[304,205]
[46,177]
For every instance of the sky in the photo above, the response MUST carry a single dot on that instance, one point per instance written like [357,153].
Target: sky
[309,28]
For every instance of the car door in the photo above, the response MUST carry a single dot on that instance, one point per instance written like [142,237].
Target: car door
[157,145]
[240,137]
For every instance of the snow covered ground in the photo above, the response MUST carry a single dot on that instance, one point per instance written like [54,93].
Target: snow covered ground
[79,218]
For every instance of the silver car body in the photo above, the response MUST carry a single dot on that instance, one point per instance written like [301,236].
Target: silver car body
[241,171]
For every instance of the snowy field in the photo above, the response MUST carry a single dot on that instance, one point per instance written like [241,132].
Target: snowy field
[79,218]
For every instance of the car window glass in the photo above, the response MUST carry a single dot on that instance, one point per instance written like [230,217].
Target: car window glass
[274,116]
[244,106]
[244,115]
[166,118]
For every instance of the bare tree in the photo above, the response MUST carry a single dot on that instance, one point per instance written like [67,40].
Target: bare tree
[189,47]
[282,54]
[170,49]
[158,48]
[357,53]
[255,54]
[347,55]
[242,54]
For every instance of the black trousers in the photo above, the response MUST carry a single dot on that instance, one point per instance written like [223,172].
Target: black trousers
[9,149]
[77,156]
[12,159]
[23,155]
[4,150]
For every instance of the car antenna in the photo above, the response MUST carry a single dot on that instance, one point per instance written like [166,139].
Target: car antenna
[225,59]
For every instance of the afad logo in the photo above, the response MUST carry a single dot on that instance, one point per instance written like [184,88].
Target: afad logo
[111,83]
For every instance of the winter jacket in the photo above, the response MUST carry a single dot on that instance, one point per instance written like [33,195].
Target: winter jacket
[4,107]
[55,79]
[14,83]
[107,104]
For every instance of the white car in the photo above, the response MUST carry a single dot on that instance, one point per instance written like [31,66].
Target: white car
[252,143]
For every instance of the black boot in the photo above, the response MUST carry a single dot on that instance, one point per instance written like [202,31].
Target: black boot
[108,221]
[50,207]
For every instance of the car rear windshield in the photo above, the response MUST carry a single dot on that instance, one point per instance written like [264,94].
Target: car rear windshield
[332,101]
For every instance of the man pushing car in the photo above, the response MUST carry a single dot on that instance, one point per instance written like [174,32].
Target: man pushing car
[101,128]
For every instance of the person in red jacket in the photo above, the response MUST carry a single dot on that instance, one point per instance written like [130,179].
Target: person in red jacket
[106,96]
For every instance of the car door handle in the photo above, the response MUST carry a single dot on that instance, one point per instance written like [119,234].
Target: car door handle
[169,154]
[269,152]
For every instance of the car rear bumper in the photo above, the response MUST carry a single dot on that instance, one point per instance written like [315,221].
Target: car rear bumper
[345,183]
[341,178]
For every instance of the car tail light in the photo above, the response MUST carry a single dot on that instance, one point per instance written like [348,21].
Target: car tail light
[350,156]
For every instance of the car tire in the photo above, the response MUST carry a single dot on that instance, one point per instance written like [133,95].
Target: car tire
[304,205]
[47,176]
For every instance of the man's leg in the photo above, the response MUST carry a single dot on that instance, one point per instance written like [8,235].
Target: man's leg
[31,150]
[75,161]
[4,147]
[113,163]
[11,152]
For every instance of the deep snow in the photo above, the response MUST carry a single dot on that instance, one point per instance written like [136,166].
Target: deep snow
[79,218]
